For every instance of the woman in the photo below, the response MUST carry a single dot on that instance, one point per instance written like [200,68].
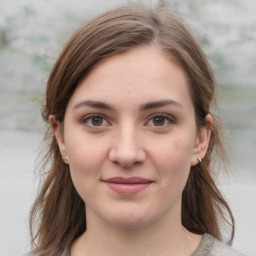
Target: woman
[132,140]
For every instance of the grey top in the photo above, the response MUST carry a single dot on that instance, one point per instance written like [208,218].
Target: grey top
[209,246]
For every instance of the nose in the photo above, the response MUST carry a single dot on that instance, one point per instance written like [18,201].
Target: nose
[126,150]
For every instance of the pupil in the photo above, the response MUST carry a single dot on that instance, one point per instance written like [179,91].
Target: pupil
[97,121]
[159,121]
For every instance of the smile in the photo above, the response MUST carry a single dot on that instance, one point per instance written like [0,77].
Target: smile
[127,186]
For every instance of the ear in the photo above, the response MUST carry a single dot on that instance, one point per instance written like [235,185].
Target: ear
[202,141]
[58,130]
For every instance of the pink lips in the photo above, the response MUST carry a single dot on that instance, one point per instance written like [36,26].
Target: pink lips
[127,186]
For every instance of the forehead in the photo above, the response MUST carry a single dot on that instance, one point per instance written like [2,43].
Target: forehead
[140,74]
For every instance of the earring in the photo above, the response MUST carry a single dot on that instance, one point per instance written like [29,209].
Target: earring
[64,157]
[199,160]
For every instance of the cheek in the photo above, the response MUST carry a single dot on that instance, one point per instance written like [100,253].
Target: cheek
[173,160]
[86,157]
[85,161]
[85,153]
[176,151]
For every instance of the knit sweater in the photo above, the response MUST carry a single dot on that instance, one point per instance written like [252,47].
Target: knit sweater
[210,246]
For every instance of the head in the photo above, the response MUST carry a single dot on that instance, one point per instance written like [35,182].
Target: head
[117,33]
[121,30]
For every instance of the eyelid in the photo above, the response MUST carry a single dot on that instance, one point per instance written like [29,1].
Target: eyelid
[167,117]
[87,117]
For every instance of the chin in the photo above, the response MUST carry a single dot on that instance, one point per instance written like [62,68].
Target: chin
[129,220]
[129,224]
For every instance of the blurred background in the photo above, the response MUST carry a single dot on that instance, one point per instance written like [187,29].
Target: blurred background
[33,32]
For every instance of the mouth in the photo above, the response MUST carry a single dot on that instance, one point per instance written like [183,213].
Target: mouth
[127,186]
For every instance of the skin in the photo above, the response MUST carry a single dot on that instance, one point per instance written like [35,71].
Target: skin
[131,137]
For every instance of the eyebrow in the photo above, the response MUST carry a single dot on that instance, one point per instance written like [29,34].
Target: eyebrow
[143,107]
[93,104]
[159,103]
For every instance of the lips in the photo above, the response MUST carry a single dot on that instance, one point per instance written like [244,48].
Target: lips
[127,186]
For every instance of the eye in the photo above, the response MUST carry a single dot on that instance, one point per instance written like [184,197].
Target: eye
[95,120]
[160,120]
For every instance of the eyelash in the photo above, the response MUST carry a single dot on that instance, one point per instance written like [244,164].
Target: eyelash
[165,117]
[88,118]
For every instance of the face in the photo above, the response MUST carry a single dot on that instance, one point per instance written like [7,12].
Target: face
[130,138]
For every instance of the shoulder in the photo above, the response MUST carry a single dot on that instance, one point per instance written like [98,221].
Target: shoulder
[210,246]
[221,249]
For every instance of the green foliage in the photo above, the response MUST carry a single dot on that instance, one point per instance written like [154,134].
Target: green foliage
[4,37]
[218,58]
[41,62]
[29,12]
[194,5]
[204,41]
[238,93]
[162,4]
[36,97]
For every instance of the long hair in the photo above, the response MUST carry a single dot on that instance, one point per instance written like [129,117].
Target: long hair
[58,214]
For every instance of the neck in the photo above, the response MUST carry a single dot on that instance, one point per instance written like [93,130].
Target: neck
[162,238]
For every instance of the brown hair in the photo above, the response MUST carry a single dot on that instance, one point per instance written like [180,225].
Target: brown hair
[58,214]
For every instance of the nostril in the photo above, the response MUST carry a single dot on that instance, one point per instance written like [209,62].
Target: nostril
[127,153]
[115,163]
[126,165]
